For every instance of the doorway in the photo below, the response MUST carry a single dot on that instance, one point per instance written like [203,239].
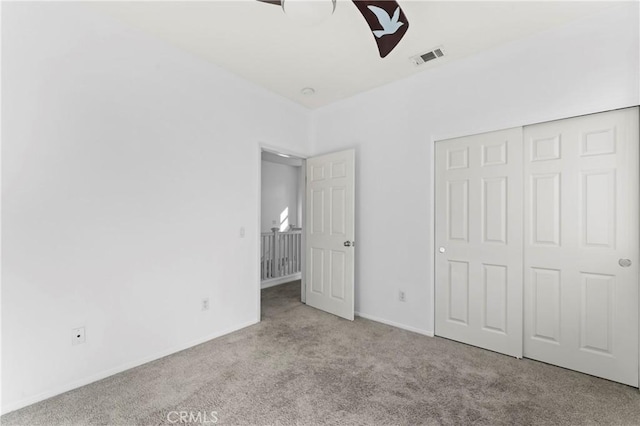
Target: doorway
[323,256]
[281,219]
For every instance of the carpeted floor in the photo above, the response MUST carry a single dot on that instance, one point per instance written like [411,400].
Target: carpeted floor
[303,366]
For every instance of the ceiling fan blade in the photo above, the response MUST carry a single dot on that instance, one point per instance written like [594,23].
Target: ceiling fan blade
[387,22]
[276,2]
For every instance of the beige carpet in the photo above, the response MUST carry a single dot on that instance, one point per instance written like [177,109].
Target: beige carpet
[302,366]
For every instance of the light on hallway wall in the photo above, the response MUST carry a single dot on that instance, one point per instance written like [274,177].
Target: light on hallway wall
[284,219]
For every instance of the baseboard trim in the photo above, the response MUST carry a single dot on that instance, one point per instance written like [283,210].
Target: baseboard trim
[119,369]
[282,280]
[395,324]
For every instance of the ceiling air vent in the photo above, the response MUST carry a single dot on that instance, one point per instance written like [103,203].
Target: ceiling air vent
[428,56]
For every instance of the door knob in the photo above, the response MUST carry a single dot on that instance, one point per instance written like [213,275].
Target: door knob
[625,263]
[442,250]
[347,243]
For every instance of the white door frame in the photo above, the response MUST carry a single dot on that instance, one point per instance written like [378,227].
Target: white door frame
[278,150]
[432,220]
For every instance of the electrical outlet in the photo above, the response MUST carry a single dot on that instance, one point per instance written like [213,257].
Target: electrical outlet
[242,232]
[205,304]
[402,296]
[77,336]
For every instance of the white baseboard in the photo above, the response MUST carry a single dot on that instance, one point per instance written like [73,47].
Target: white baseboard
[277,281]
[119,369]
[395,324]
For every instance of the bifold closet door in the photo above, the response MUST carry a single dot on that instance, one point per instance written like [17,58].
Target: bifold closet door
[479,240]
[581,244]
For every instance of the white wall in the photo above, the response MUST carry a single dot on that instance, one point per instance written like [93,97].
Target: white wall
[121,208]
[279,192]
[128,169]
[590,65]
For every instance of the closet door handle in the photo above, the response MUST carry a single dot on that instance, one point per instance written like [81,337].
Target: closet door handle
[625,263]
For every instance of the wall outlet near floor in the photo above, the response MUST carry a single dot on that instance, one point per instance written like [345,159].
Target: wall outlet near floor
[402,296]
[77,336]
[205,304]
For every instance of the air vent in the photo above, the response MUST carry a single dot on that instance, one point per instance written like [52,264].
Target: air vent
[436,53]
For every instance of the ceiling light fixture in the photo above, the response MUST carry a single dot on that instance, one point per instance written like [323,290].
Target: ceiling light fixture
[385,18]
[284,155]
[308,91]
[309,12]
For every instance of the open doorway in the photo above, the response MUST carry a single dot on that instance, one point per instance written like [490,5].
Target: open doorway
[322,257]
[281,225]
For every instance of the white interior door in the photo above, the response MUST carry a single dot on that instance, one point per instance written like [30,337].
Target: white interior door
[581,226]
[479,240]
[330,233]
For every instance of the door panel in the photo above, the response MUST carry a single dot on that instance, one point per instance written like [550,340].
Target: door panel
[495,298]
[581,218]
[330,213]
[545,209]
[479,225]
[458,292]
[545,302]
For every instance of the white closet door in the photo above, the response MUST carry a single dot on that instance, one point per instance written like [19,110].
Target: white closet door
[581,233]
[479,240]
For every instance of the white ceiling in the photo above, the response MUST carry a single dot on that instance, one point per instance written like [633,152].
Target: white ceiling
[338,57]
